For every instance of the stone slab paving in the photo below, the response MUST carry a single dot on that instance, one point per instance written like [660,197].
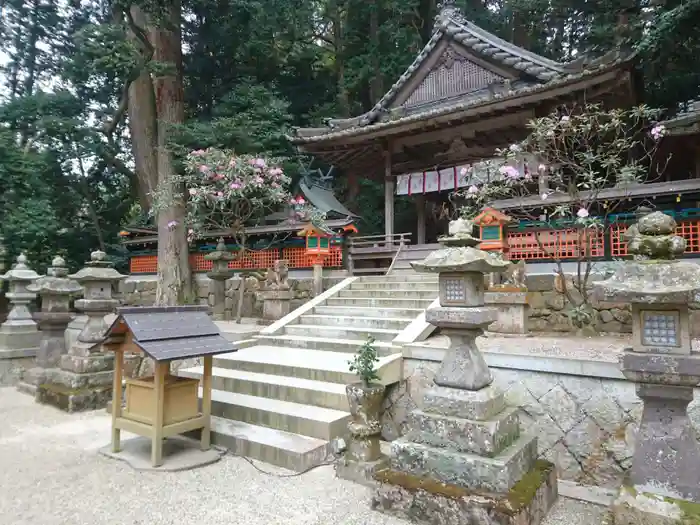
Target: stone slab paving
[52,474]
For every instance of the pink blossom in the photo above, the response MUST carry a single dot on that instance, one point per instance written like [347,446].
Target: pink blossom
[582,213]
[172,224]
[293,201]
[218,176]
[197,153]
[542,168]
[203,168]
[193,191]
[473,189]
[301,200]
[259,180]
[260,163]
[275,172]
[658,131]
[219,194]
[235,186]
[509,171]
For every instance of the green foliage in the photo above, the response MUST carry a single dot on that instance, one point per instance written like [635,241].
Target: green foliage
[365,361]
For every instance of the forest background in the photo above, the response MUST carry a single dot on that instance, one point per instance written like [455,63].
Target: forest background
[100,99]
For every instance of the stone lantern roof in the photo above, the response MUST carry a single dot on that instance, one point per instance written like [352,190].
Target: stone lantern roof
[56,281]
[20,271]
[98,269]
[459,254]
[656,277]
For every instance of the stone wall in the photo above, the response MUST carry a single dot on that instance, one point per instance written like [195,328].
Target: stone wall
[141,291]
[585,424]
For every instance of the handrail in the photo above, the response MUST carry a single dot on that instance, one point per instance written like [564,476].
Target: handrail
[379,240]
[393,261]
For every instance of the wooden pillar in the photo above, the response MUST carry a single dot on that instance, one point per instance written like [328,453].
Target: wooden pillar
[420,218]
[206,402]
[117,399]
[389,190]
[159,400]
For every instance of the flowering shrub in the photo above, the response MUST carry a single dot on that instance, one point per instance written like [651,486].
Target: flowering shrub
[579,154]
[225,191]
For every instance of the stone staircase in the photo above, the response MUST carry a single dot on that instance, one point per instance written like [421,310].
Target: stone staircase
[282,399]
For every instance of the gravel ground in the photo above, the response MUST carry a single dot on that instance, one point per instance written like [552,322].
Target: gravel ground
[53,475]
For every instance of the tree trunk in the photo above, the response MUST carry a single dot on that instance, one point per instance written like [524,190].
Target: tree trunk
[339,62]
[174,275]
[376,84]
[143,124]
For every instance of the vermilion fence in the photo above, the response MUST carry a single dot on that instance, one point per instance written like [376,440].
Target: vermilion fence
[568,244]
[258,259]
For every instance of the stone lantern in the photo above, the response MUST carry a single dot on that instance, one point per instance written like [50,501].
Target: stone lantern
[84,381]
[220,272]
[665,469]
[19,332]
[56,291]
[463,459]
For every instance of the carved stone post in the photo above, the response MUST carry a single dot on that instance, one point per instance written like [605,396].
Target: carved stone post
[84,381]
[277,295]
[463,458]
[56,291]
[664,480]
[19,335]
[219,274]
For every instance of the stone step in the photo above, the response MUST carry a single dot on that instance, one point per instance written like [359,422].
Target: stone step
[390,285]
[317,365]
[381,302]
[365,311]
[341,332]
[349,346]
[400,277]
[276,447]
[304,391]
[387,323]
[497,474]
[307,420]
[389,293]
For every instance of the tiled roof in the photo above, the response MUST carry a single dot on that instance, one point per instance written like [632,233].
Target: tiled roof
[363,126]
[539,72]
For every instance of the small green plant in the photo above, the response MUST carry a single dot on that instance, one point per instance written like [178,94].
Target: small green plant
[363,364]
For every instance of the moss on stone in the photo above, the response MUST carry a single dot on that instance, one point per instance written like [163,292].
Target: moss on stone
[524,491]
[690,511]
[517,498]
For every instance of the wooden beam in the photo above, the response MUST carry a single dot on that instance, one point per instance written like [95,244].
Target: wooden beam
[160,373]
[206,403]
[117,399]
[631,192]
[468,131]
[389,189]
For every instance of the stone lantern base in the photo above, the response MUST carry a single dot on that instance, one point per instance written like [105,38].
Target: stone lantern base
[82,383]
[276,303]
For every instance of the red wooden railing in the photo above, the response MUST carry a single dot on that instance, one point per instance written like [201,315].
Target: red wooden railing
[253,260]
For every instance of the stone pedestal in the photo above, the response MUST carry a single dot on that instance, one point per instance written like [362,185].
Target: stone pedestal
[276,303]
[663,486]
[513,311]
[84,379]
[363,458]
[463,460]
[19,334]
[219,274]
[56,291]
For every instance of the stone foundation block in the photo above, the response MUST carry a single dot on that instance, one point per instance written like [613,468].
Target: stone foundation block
[74,400]
[425,501]
[90,364]
[485,438]
[478,405]
[362,472]
[635,508]
[497,474]
[75,381]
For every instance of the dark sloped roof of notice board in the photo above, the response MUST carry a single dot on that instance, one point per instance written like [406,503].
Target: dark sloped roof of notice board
[173,332]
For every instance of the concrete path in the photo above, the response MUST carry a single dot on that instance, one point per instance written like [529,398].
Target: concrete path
[51,474]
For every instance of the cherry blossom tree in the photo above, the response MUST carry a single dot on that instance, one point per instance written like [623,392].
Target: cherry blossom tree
[587,160]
